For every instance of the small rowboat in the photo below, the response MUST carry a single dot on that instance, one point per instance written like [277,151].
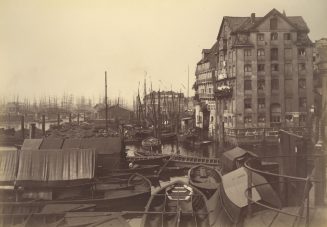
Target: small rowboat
[177,204]
[151,143]
[205,178]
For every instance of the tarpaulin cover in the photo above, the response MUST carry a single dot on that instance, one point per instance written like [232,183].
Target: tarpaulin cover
[104,145]
[235,183]
[233,191]
[56,165]
[51,143]
[72,143]
[8,163]
[31,144]
[229,157]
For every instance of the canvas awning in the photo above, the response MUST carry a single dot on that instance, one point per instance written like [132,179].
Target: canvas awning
[8,163]
[72,143]
[56,165]
[51,143]
[31,144]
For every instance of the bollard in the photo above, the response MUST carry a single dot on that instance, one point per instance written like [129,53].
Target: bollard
[43,124]
[32,131]
[23,127]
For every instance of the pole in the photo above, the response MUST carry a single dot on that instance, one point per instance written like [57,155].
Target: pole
[23,127]
[32,131]
[58,119]
[43,124]
[106,100]
[188,84]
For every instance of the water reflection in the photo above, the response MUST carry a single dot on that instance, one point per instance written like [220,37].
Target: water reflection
[174,147]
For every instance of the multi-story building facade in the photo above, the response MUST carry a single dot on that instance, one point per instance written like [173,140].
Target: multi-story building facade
[263,75]
[205,107]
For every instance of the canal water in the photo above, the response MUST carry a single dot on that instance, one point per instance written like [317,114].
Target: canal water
[178,148]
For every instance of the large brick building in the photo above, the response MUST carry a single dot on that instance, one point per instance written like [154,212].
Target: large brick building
[262,71]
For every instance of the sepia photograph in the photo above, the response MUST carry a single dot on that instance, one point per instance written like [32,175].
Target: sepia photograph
[148,113]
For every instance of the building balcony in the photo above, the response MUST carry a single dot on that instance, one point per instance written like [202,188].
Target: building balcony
[199,71]
[204,81]
[242,136]
[224,92]
[222,75]
[206,96]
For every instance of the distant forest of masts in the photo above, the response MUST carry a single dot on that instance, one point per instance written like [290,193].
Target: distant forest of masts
[65,103]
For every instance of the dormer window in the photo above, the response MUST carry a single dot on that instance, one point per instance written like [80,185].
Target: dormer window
[273,23]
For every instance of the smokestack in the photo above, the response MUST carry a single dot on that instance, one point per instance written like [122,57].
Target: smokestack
[252,18]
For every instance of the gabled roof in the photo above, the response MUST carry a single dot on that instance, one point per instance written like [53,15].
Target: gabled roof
[244,24]
[296,22]
[209,55]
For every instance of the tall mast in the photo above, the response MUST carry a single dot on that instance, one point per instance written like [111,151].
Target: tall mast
[105,73]
[188,80]
[188,85]
[145,102]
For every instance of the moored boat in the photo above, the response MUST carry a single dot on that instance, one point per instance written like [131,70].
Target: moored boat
[205,178]
[151,143]
[131,193]
[93,219]
[190,161]
[177,204]
[146,160]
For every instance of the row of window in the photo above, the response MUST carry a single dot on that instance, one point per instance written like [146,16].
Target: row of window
[273,119]
[273,36]
[274,53]
[262,103]
[274,67]
[274,84]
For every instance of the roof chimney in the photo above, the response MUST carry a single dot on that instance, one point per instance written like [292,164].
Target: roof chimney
[252,18]
[284,13]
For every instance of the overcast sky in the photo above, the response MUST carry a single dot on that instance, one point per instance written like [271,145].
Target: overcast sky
[51,47]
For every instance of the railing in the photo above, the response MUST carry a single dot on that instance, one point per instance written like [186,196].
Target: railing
[206,96]
[264,132]
[303,212]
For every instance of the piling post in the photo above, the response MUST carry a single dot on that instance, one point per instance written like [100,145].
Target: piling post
[78,118]
[70,118]
[58,119]
[32,131]
[23,127]
[249,173]
[320,174]
[43,124]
